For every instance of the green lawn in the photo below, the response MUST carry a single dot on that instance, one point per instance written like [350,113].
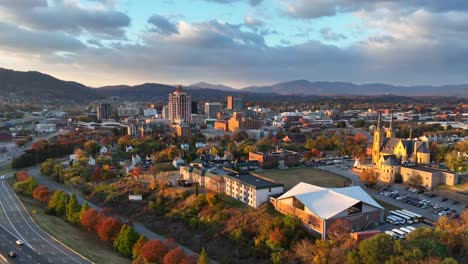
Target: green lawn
[460,188]
[292,176]
[87,244]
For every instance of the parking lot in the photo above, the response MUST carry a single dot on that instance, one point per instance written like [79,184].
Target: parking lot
[421,202]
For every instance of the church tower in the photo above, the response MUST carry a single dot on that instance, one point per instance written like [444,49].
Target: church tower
[377,144]
[390,133]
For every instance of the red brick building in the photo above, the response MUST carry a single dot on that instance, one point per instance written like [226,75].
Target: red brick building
[270,160]
[320,208]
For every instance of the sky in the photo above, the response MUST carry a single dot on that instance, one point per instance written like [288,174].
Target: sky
[237,42]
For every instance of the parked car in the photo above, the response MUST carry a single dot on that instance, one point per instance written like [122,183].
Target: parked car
[12,254]
[19,242]
[443,199]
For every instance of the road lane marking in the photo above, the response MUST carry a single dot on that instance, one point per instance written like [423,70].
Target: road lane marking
[8,190]
[9,220]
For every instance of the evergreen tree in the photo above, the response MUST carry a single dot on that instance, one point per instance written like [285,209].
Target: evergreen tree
[136,248]
[84,208]
[203,259]
[58,203]
[73,210]
[125,240]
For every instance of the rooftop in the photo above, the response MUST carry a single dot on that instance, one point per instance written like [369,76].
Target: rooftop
[252,180]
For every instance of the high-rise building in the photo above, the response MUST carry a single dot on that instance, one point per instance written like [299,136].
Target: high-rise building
[235,103]
[212,109]
[180,106]
[194,107]
[104,111]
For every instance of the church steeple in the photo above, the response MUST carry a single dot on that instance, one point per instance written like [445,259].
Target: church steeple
[390,133]
[378,140]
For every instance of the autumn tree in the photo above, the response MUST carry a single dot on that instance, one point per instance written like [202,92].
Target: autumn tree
[58,203]
[73,210]
[125,240]
[21,176]
[42,194]
[90,219]
[275,238]
[174,256]
[416,181]
[376,249]
[136,248]
[91,147]
[369,177]
[108,228]
[153,250]
[203,258]
[84,208]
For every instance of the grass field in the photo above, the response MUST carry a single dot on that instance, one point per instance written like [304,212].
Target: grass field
[460,188]
[292,176]
[87,244]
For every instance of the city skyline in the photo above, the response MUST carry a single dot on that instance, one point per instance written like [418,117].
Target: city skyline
[236,42]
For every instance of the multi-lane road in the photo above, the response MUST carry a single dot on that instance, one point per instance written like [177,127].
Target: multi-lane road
[18,224]
[24,254]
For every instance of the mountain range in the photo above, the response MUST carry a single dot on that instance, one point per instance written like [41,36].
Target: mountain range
[35,85]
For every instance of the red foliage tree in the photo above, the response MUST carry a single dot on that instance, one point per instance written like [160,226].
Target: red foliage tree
[97,173]
[22,176]
[42,194]
[276,236]
[170,244]
[108,228]
[174,256]
[90,219]
[153,251]
[189,259]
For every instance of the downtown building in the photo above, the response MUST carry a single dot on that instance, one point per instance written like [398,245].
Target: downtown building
[179,106]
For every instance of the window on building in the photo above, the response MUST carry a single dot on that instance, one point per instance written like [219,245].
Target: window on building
[355,209]
[298,204]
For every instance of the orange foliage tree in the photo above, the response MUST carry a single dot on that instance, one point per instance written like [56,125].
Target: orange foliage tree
[174,256]
[22,176]
[42,194]
[90,218]
[108,228]
[153,251]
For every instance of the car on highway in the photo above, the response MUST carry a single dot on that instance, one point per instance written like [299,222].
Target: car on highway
[12,254]
[19,242]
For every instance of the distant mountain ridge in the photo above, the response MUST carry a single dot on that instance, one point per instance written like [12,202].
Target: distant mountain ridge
[205,85]
[304,87]
[34,85]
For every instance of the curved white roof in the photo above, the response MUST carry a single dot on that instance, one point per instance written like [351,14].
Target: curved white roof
[328,202]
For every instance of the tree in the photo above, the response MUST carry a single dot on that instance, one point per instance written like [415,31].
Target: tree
[203,259]
[91,147]
[369,177]
[125,240]
[153,251]
[376,249]
[84,208]
[416,181]
[457,161]
[90,219]
[108,228]
[275,238]
[21,176]
[42,194]
[174,256]
[136,248]
[58,203]
[73,210]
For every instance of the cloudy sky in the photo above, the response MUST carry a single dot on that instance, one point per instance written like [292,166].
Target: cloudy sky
[237,42]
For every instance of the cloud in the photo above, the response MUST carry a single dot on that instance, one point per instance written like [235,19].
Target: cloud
[328,34]
[251,2]
[162,25]
[306,9]
[253,22]
[68,16]
[26,41]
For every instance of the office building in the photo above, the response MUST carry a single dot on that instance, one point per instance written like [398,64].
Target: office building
[235,103]
[212,109]
[179,106]
[104,111]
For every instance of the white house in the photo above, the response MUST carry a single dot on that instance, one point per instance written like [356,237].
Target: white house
[128,149]
[177,162]
[200,145]
[251,189]
[91,161]
[103,150]
[185,146]
[136,159]
[46,128]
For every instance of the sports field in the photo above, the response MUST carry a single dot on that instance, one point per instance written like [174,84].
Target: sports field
[292,176]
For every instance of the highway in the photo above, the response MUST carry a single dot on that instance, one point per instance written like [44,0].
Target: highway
[24,254]
[16,220]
